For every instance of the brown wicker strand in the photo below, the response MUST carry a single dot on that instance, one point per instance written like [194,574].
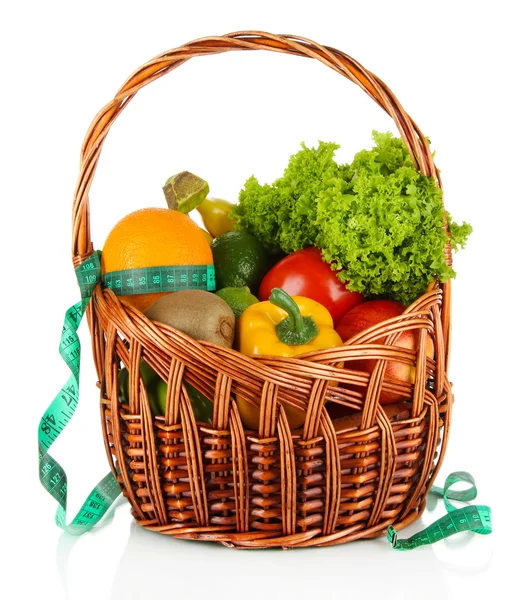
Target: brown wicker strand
[420,371]
[174,384]
[268,410]
[314,408]
[333,476]
[429,453]
[288,475]
[387,465]
[239,470]
[116,431]
[147,451]
[446,321]
[221,403]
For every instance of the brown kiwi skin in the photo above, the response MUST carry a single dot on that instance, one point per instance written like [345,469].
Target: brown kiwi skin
[201,315]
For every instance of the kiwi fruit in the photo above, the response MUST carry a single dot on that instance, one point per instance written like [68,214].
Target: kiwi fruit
[200,314]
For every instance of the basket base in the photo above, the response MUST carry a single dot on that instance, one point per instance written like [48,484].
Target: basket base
[261,540]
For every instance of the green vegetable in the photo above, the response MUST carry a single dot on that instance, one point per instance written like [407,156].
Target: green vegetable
[240,260]
[378,221]
[237,298]
[156,389]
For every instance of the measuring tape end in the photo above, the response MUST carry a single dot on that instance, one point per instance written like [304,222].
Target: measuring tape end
[391,536]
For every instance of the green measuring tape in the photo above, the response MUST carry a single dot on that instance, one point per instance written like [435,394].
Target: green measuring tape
[61,410]
[160,279]
[475,518]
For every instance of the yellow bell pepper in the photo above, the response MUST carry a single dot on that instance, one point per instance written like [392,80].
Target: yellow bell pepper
[283,326]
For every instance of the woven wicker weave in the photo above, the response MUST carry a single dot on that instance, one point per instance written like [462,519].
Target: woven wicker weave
[330,482]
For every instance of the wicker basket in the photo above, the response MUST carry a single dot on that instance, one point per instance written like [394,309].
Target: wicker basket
[333,480]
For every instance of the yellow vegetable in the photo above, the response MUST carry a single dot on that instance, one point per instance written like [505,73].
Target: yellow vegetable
[283,326]
[214,213]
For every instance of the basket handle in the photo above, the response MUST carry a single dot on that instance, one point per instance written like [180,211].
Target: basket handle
[242,40]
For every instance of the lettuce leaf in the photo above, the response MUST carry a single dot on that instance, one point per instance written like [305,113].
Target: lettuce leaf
[378,221]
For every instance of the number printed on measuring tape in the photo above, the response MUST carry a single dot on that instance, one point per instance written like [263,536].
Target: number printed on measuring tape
[150,280]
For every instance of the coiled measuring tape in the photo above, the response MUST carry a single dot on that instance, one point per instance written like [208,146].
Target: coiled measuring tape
[474,518]
[61,410]
[63,406]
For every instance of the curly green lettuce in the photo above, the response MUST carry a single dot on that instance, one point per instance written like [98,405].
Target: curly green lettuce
[378,221]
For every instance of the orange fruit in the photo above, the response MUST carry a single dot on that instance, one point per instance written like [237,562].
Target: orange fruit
[153,237]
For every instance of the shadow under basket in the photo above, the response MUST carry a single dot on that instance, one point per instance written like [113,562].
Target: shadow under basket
[354,468]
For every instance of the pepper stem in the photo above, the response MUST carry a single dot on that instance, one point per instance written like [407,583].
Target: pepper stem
[294,330]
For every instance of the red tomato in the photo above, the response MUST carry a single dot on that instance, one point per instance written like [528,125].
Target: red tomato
[304,273]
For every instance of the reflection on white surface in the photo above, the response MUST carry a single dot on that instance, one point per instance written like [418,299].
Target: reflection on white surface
[151,565]
[311,572]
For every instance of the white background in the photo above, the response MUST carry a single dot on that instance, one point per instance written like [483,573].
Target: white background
[460,70]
